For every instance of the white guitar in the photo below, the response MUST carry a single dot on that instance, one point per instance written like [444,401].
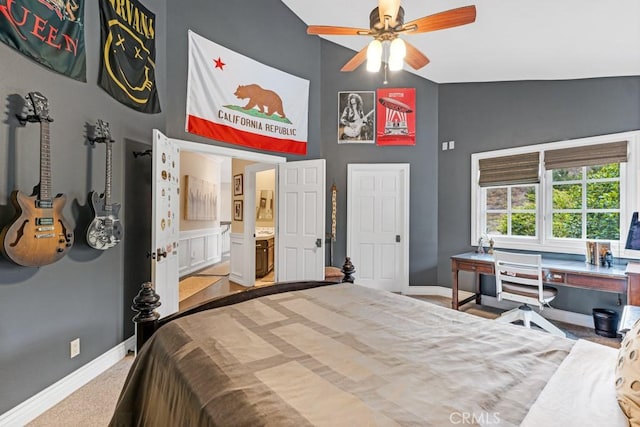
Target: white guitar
[105,230]
[352,130]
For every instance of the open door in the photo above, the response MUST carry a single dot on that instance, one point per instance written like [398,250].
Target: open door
[301,221]
[165,230]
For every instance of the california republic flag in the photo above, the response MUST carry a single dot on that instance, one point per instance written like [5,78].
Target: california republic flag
[235,99]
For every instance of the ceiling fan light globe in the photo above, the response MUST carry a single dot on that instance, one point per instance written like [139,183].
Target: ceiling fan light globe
[397,49]
[395,63]
[373,66]
[374,56]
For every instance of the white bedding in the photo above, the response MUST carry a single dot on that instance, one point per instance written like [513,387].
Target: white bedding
[581,392]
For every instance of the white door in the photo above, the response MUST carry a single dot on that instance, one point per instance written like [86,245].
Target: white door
[378,224]
[301,221]
[166,222]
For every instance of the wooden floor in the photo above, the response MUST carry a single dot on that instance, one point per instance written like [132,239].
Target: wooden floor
[223,286]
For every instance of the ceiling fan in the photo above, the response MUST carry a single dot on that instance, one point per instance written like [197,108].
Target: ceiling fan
[386,23]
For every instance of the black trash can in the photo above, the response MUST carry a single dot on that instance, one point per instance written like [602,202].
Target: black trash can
[606,322]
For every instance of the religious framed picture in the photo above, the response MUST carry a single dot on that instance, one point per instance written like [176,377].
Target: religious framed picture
[356,117]
[237,210]
[237,185]
[396,116]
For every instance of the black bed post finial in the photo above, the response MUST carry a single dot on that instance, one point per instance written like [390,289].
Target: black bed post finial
[348,269]
[146,320]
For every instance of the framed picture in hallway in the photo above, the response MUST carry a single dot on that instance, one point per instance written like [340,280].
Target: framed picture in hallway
[237,185]
[237,210]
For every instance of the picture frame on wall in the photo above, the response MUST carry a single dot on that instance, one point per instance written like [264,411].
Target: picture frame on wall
[356,117]
[237,210]
[396,116]
[237,185]
[201,199]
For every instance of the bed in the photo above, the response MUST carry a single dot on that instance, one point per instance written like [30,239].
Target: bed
[341,354]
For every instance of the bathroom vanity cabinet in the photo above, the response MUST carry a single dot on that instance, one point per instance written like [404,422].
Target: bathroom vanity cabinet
[264,256]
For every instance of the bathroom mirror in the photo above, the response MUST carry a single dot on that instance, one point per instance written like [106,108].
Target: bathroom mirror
[265,205]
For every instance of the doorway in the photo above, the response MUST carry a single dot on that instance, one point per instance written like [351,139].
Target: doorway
[165,247]
[378,224]
[261,217]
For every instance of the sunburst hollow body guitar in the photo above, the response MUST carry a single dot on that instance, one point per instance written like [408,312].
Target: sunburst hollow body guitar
[105,230]
[39,234]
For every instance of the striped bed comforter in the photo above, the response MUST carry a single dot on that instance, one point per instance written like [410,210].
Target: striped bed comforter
[337,355]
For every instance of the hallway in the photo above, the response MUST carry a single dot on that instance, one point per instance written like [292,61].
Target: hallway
[212,282]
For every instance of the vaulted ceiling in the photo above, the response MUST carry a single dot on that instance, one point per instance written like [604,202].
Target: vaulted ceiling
[510,40]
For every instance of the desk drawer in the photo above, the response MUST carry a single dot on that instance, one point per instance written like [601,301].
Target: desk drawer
[607,284]
[478,267]
[554,276]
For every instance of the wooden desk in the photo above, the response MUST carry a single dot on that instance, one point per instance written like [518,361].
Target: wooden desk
[577,274]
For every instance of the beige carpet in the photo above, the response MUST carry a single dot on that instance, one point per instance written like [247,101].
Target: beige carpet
[194,284]
[91,405]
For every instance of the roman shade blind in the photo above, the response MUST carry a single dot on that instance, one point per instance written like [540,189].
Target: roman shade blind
[510,170]
[588,155]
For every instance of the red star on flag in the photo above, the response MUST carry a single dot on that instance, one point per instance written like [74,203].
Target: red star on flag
[219,63]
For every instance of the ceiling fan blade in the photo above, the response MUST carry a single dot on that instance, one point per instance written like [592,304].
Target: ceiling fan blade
[337,31]
[440,21]
[388,8]
[356,60]
[414,57]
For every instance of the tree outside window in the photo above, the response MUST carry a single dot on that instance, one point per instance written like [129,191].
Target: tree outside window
[511,210]
[586,202]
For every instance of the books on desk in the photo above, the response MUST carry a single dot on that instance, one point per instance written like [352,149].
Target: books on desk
[596,252]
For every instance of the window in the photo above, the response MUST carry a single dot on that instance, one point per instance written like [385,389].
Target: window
[585,202]
[552,197]
[511,210]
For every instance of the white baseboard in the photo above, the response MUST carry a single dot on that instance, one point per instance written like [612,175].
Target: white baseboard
[549,313]
[33,407]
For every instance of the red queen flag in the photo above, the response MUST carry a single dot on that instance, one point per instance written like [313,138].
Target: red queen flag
[234,99]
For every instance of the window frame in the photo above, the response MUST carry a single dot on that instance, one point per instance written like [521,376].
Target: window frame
[629,198]
[509,210]
[583,210]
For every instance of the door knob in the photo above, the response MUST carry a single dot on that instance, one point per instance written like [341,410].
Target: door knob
[319,243]
[397,238]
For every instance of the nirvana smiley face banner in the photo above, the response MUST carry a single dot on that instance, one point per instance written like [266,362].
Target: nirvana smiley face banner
[50,32]
[128,63]
[235,99]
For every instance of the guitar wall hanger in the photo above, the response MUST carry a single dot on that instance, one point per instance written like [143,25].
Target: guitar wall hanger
[31,117]
[101,138]
[137,154]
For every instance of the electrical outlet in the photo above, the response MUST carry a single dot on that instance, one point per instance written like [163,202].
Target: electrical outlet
[74,348]
[451,145]
[444,146]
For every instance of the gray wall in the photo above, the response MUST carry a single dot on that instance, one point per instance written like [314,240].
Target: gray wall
[266,31]
[88,293]
[80,296]
[490,116]
[423,157]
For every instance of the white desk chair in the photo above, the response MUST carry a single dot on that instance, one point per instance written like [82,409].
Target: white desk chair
[519,278]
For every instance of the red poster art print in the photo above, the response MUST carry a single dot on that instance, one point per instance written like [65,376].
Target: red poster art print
[396,116]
